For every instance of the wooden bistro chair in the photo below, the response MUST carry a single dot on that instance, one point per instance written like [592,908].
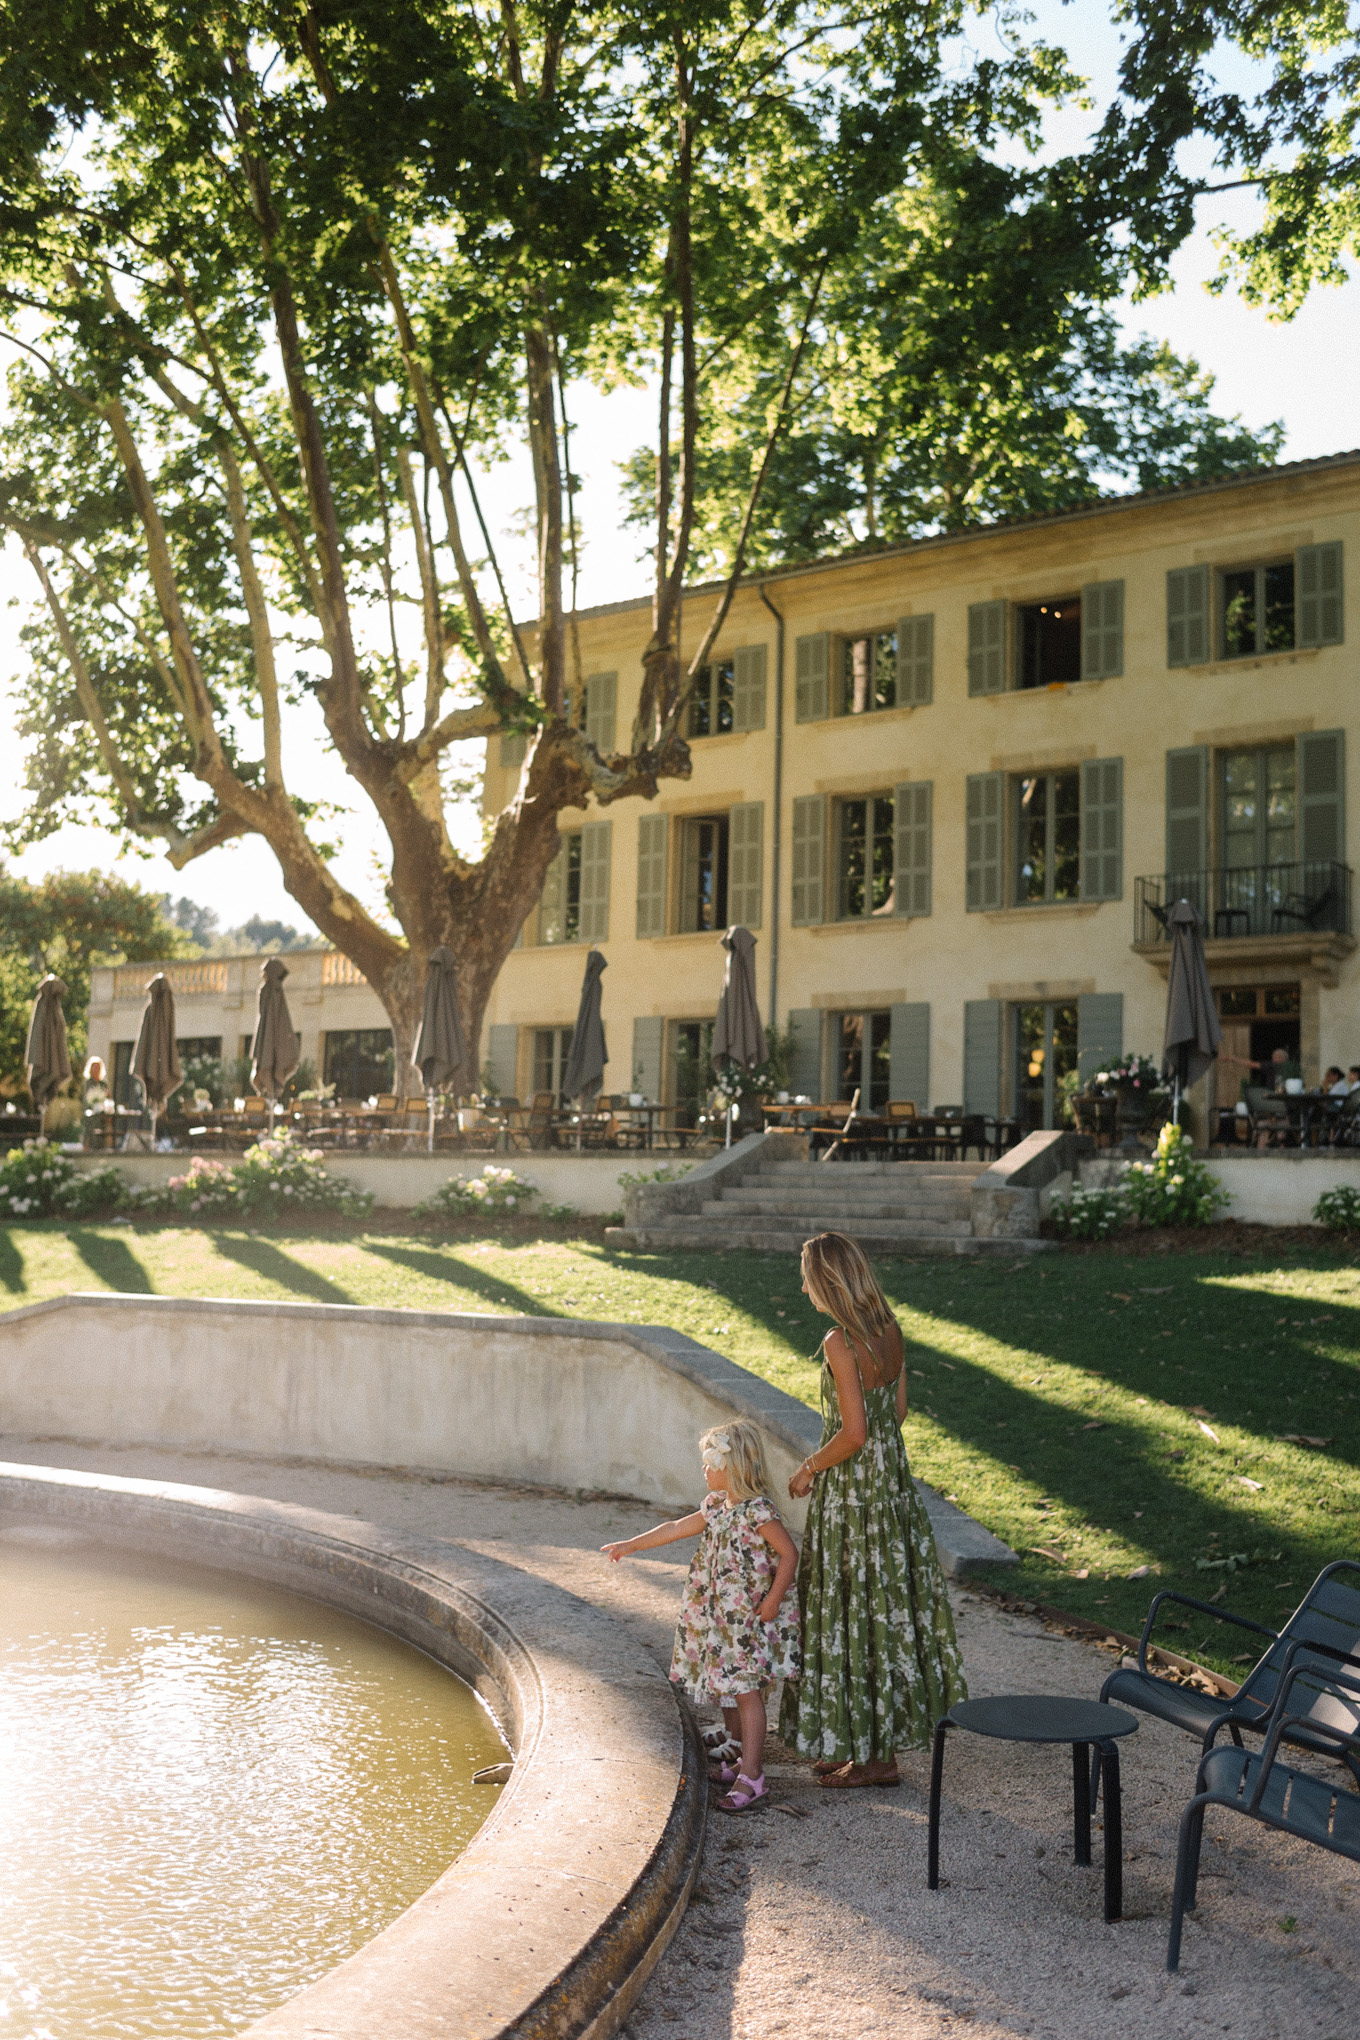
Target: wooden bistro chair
[902,1117]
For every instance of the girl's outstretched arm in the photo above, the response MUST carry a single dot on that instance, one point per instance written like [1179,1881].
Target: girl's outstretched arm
[786,1551]
[664,1533]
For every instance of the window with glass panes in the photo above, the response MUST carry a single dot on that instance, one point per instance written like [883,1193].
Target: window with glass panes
[868,673]
[1048,642]
[691,1068]
[559,920]
[1045,1064]
[864,1058]
[703,874]
[358,1061]
[865,851]
[1259,806]
[710,708]
[1048,837]
[1257,610]
[552,1046]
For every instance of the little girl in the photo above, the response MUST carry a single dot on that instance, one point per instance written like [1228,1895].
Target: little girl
[734,1640]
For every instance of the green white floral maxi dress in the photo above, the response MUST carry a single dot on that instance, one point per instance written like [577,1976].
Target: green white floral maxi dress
[881,1661]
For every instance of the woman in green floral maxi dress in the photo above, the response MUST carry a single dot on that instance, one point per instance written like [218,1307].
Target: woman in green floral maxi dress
[881,1661]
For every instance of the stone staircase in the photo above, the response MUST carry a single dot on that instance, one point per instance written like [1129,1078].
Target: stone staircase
[773,1206]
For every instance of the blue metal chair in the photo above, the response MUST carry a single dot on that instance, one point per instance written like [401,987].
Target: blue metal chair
[1263,1789]
[1327,1621]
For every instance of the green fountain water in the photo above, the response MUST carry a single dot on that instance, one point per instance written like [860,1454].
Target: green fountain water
[210,1792]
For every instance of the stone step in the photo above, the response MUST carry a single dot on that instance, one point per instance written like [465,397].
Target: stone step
[700,1235]
[954,1172]
[882,1199]
[836,1217]
[883,1223]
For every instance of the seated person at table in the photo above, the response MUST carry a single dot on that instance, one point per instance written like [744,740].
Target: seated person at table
[1353,1078]
[1334,1084]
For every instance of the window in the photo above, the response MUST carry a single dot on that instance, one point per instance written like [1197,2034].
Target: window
[1256,611]
[868,673]
[574,905]
[703,874]
[1049,642]
[1048,837]
[552,1045]
[710,708]
[200,1048]
[359,1061]
[864,1058]
[691,1068]
[1045,1061]
[1259,806]
[865,857]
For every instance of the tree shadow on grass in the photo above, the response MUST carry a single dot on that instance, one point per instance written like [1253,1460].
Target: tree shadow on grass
[11,1264]
[111,1258]
[465,1275]
[267,1260]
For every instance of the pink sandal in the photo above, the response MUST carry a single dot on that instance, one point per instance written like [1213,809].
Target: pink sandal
[748,1795]
[722,1774]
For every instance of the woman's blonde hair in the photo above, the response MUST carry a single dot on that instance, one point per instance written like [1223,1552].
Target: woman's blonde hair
[841,1283]
[738,1449]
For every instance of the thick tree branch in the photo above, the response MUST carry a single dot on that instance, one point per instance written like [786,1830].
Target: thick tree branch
[261,637]
[429,595]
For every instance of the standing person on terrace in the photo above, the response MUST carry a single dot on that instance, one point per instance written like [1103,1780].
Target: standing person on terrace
[881,1661]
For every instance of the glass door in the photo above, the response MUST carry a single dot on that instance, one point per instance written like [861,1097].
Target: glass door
[1045,1053]
[691,1068]
[1259,816]
[864,1059]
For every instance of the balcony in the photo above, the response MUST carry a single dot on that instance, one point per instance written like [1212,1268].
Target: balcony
[1269,914]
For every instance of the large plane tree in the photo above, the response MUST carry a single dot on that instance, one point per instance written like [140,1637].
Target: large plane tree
[279,278]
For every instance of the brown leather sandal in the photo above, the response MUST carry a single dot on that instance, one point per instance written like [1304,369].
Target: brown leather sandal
[849,1776]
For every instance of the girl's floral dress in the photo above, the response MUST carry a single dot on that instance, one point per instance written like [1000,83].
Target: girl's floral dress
[722,1648]
[881,1661]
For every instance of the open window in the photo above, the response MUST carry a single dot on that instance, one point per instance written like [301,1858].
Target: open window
[1048,642]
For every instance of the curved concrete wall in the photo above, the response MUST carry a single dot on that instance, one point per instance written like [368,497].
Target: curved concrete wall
[552,1919]
[557,1401]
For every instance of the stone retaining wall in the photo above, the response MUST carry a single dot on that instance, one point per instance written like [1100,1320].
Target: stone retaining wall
[588,1183]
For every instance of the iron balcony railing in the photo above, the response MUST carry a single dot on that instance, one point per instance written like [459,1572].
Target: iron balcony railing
[1248,899]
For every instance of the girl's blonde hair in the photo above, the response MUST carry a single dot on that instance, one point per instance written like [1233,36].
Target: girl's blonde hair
[841,1283]
[740,1452]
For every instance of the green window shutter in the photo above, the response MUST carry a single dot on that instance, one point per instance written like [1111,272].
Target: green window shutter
[653,831]
[1322,797]
[1100,1032]
[982,1056]
[911,859]
[985,855]
[514,746]
[805,1059]
[812,661]
[809,859]
[1187,810]
[748,687]
[1187,616]
[986,647]
[909,1054]
[1102,630]
[1102,829]
[550,927]
[649,1054]
[502,1055]
[915,661]
[602,694]
[1319,614]
[745,863]
[595,881]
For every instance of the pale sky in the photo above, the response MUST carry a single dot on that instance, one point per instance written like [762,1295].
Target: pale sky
[1264,369]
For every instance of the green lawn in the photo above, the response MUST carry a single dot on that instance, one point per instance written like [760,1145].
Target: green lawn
[1066,1402]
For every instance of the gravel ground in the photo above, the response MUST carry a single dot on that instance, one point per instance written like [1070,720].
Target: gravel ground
[813,1918]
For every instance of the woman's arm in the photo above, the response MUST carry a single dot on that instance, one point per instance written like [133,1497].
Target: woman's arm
[664,1533]
[902,1380]
[854,1425]
[780,1542]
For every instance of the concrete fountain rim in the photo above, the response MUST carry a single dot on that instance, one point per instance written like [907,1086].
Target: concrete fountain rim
[552,1919]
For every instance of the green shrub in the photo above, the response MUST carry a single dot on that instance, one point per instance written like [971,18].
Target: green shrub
[494,1190]
[38,1181]
[1089,1214]
[1339,1209]
[1173,1188]
[629,1178]
[275,1175]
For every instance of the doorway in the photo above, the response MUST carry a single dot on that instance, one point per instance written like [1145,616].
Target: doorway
[1256,1020]
[691,1069]
[864,1058]
[1045,1053]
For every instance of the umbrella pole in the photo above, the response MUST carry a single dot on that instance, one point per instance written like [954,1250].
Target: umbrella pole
[429,1099]
[728,1116]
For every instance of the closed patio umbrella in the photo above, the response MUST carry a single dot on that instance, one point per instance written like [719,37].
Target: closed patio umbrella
[738,1036]
[1192,1030]
[47,1056]
[155,1059]
[277,1048]
[588,1054]
[440,1052]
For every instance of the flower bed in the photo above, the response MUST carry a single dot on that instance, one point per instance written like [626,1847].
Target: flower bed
[494,1190]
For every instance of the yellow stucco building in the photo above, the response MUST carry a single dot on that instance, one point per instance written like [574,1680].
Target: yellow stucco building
[951,785]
